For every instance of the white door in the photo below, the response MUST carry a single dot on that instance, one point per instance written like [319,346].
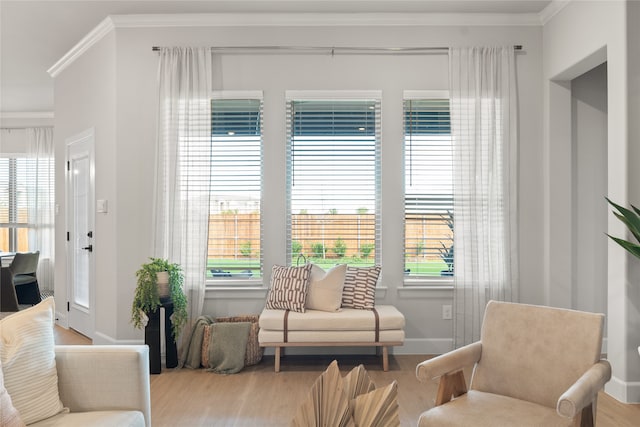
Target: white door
[80,224]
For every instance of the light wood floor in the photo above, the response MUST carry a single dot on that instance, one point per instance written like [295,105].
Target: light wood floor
[259,397]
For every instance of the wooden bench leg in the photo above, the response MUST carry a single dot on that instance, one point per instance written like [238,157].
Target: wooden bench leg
[385,358]
[277,361]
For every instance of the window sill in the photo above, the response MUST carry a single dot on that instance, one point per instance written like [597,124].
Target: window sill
[236,292]
[426,291]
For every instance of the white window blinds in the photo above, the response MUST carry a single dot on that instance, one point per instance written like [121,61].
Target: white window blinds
[333,159]
[21,178]
[236,188]
[428,161]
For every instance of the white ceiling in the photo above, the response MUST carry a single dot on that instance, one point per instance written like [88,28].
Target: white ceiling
[36,34]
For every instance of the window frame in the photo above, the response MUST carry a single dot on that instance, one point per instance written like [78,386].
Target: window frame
[336,95]
[419,281]
[239,283]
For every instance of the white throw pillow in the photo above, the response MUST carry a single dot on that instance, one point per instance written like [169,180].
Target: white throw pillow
[325,288]
[28,361]
[9,416]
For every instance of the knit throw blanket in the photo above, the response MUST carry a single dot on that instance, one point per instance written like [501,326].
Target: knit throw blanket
[227,347]
[193,350]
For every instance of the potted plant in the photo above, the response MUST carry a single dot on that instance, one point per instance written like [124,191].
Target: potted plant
[147,298]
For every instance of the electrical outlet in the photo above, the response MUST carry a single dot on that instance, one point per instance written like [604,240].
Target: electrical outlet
[446,312]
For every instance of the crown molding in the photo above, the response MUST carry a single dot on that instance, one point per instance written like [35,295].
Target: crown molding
[325,19]
[552,10]
[93,37]
[288,20]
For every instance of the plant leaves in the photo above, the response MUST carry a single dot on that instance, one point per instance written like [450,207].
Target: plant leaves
[629,218]
[633,248]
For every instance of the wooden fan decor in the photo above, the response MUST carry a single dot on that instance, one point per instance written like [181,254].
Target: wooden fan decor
[352,401]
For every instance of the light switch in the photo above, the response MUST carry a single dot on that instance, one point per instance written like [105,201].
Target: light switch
[101,206]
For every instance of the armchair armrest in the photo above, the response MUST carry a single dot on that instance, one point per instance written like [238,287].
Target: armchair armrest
[95,377]
[449,362]
[584,391]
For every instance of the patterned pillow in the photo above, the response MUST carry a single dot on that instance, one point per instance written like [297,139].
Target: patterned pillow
[360,287]
[288,290]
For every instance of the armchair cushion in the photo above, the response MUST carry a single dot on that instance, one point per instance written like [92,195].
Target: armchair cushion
[488,409]
[94,419]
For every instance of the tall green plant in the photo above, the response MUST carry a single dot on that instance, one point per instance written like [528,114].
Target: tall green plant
[632,220]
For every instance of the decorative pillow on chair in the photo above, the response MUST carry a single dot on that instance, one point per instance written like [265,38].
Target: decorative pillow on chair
[325,288]
[360,287]
[288,289]
[28,361]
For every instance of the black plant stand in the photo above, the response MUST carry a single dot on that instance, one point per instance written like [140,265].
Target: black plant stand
[152,338]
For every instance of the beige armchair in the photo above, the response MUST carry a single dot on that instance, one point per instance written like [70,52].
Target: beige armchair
[533,366]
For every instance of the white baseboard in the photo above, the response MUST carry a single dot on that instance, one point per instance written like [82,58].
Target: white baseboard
[104,339]
[623,391]
[61,319]
[425,346]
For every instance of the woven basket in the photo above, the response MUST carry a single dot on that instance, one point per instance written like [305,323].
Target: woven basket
[254,351]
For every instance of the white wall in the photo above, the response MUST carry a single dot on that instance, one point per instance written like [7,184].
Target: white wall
[580,37]
[85,97]
[13,140]
[129,165]
[589,148]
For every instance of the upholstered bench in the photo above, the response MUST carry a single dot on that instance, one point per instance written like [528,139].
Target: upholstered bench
[382,326]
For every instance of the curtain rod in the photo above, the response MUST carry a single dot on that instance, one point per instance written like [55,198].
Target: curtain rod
[333,50]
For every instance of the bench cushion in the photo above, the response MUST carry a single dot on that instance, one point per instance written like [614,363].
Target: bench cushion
[348,319]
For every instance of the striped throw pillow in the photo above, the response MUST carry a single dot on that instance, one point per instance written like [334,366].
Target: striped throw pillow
[9,416]
[360,287]
[29,363]
[288,289]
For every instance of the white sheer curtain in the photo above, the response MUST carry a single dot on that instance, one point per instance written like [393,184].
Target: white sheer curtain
[181,215]
[41,201]
[484,128]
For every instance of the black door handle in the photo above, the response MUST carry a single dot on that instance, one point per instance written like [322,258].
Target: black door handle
[89,248]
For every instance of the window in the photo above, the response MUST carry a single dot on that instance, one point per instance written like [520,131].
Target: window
[333,178]
[235,249]
[428,175]
[21,178]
